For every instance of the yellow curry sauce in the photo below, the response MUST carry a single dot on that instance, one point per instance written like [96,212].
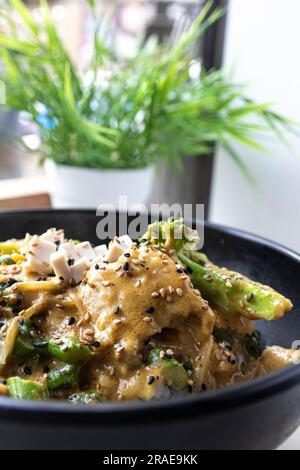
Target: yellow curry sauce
[134,327]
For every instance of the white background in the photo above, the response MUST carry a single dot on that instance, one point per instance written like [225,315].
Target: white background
[263,50]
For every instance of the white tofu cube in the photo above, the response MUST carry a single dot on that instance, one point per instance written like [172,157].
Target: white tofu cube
[60,265]
[52,235]
[101,251]
[38,254]
[85,250]
[78,269]
[114,252]
[69,249]
[125,241]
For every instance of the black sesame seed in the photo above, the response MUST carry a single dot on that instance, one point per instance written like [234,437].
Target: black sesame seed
[71,321]
[180,271]
[61,278]
[2,324]
[57,242]
[71,262]
[189,270]
[95,344]
[3,382]
[46,370]
[151,380]
[188,365]
[116,310]
[126,267]
[27,370]
[11,282]
[168,356]
[150,310]
[127,255]
[21,321]
[97,266]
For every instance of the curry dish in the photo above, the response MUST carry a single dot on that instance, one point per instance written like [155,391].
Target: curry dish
[134,320]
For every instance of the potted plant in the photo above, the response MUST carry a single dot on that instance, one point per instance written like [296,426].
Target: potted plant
[103,129]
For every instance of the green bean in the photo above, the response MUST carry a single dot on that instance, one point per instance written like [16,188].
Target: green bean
[63,377]
[70,350]
[24,346]
[6,260]
[173,372]
[26,389]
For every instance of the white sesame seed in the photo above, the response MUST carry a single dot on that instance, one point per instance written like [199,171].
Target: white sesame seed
[147,319]
[89,332]
[169,299]
[155,295]
[179,292]
[162,292]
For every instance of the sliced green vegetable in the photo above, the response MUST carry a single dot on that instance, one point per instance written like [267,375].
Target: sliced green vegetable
[173,372]
[6,260]
[70,350]
[252,344]
[8,248]
[24,346]
[66,376]
[226,289]
[26,389]
[222,335]
[85,398]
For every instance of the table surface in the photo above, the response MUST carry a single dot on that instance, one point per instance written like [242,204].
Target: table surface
[24,193]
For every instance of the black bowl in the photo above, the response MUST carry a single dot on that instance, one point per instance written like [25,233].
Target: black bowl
[257,415]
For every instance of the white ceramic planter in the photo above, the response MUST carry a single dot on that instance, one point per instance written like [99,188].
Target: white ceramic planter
[73,187]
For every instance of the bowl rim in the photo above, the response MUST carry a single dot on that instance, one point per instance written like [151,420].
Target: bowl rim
[178,407]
